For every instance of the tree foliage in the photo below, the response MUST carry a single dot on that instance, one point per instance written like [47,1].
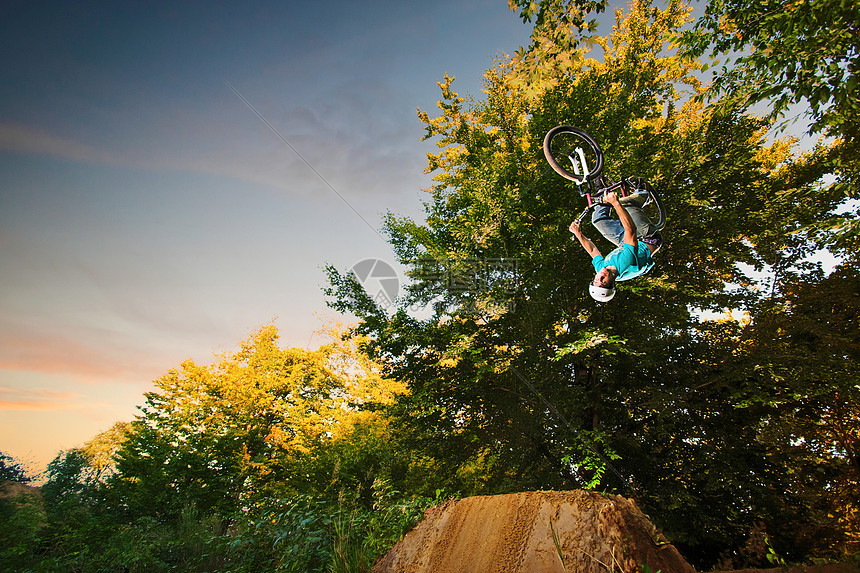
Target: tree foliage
[779,54]
[784,53]
[21,515]
[518,381]
[560,27]
[227,461]
[12,470]
[223,435]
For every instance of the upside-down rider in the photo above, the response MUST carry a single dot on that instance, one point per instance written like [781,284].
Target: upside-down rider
[634,235]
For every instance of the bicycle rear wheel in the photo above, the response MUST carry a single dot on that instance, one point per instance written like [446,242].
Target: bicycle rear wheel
[653,207]
[573,153]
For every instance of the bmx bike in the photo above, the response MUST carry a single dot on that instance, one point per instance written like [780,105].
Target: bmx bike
[576,156]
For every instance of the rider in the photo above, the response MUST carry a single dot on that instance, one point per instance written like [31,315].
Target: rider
[633,234]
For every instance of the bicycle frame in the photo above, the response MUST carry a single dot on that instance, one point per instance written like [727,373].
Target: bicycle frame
[592,193]
[588,188]
[589,182]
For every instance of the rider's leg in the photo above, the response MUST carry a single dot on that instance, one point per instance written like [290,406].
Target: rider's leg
[610,228]
[634,203]
[644,227]
[613,230]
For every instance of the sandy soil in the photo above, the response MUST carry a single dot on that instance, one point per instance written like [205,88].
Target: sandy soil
[515,534]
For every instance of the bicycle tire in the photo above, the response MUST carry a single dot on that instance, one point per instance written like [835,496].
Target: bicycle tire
[653,208]
[561,142]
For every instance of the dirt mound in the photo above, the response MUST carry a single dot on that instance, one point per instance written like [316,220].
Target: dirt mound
[535,532]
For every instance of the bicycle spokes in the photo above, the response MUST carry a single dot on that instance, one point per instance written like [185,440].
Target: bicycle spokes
[573,154]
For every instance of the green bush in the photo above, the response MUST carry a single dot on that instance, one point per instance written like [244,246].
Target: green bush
[307,534]
[21,520]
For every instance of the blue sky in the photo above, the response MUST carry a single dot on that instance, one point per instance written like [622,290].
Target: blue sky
[147,215]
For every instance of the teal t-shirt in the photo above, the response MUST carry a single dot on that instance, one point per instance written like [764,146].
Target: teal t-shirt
[629,260]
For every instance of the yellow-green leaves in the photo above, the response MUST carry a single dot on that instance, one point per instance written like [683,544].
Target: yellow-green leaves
[244,420]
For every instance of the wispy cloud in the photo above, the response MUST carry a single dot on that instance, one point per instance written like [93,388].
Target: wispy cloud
[225,161]
[97,362]
[376,155]
[39,400]
[23,139]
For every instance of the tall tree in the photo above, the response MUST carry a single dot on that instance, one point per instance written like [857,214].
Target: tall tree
[807,343]
[778,54]
[214,437]
[518,380]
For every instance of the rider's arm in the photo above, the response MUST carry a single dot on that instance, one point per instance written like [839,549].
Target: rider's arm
[624,218]
[586,243]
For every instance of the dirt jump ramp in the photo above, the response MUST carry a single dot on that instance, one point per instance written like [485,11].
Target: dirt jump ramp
[534,532]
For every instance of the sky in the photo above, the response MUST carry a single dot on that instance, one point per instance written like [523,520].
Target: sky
[174,175]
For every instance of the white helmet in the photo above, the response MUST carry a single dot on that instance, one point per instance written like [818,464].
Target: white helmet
[601,294]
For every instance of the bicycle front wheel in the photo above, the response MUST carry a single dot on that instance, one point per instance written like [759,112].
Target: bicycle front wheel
[573,154]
